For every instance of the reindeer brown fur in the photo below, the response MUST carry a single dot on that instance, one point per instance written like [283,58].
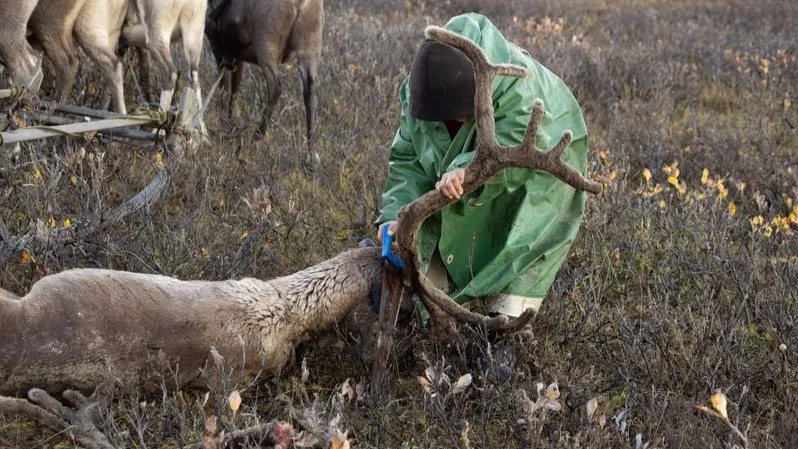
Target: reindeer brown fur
[267,33]
[96,24]
[75,328]
[15,52]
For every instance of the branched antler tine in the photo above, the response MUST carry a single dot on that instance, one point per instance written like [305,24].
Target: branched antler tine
[532,127]
[47,402]
[520,322]
[76,398]
[509,70]
[442,300]
[564,142]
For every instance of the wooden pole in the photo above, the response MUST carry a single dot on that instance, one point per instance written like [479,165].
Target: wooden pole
[43,117]
[74,110]
[36,133]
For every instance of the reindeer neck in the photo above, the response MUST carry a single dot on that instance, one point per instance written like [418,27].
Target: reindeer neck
[319,296]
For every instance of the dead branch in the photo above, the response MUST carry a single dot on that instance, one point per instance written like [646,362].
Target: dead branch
[490,159]
[49,118]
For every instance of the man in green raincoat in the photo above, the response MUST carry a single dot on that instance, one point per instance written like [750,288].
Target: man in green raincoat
[505,242]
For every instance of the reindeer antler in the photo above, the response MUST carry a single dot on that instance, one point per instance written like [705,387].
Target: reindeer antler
[489,160]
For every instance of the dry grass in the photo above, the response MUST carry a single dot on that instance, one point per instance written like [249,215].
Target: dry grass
[677,285]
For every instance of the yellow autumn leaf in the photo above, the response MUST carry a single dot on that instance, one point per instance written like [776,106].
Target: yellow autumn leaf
[234,401]
[25,258]
[159,161]
[732,209]
[722,190]
[647,174]
[67,222]
[661,204]
[704,176]
[37,174]
[718,401]
[73,180]
[673,180]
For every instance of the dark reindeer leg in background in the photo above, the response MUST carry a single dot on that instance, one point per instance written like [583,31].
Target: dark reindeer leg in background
[308,70]
[273,88]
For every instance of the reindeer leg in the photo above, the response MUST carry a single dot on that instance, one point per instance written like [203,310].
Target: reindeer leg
[144,74]
[163,55]
[273,89]
[192,49]
[308,71]
[15,51]
[100,50]
[61,51]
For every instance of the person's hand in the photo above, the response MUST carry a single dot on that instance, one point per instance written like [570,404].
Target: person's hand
[391,231]
[451,183]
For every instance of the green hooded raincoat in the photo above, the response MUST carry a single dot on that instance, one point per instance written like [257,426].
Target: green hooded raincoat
[512,235]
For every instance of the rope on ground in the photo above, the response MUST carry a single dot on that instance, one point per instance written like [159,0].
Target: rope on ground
[159,117]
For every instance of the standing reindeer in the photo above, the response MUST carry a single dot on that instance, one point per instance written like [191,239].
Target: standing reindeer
[15,52]
[153,25]
[267,33]
[96,24]
[75,326]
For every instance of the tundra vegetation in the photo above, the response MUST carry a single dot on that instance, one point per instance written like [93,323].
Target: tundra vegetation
[679,283]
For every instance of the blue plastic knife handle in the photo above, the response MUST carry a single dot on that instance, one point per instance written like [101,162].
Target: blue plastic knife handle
[387,253]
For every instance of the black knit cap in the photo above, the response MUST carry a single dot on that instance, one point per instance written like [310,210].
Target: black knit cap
[442,83]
